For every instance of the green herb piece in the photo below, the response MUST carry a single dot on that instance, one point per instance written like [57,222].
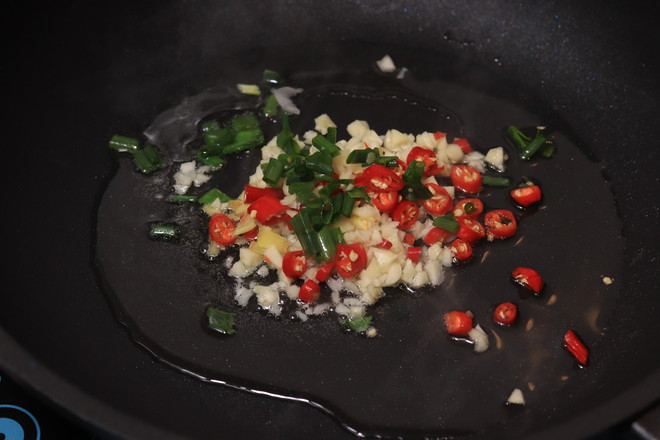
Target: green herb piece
[518,137]
[209,159]
[163,232]
[147,159]
[469,208]
[414,189]
[347,204]
[359,192]
[123,143]
[498,182]
[271,107]
[447,222]
[327,244]
[323,144]
[273,172]
[388,161]
[176,198]
[286,139]
[534,146]
[358,325]
[245,140]
[220,321]
[359,155]
[548,150]
[272,77]
[211,195]
[320,162]
[247,121]
[331,135]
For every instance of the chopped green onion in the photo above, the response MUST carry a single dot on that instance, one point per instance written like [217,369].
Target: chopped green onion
[163,232]
[358,156]
[220,320]
[124,143]
[270,107]
[499,182]
[147,159]
[548,150]
[358,325]
[182,198]
[248,121]
[331,135]
[272,77]
[285,139]
[533,147]
[327,244]
[518,137]
[447,222]
[211,160]
[469,208]
[213,194]
[415,190]
[359,192]
[304,230]
[273,172]
[347,204]
[339,237]
[388,161]
[215,138]
[245,140]
[320,162]
[324,144]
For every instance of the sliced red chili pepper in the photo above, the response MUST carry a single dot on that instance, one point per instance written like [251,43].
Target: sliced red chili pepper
[527,195]
[466,179]
[385,244]
[324,272]
[528,278]
[267,210]
[406,213]
[252,193]
[440,203]
[576,347]
[439,135]
[470,208]
[309,291]
[350,259]
[505,313]
[385,201]
[428,157]
[436,235]
[380,178]
[470,231]
[414,253]
[400,168]
[221,229]
[464,144]
[409,239]
[500,223]
[461,250]
[294,264]
[458,323]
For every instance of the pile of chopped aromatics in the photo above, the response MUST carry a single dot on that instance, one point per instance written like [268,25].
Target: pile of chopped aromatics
[355,215]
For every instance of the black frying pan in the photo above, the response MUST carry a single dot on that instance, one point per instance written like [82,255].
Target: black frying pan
[80,74]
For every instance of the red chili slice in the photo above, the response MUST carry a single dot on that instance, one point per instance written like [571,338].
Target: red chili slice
[436,235]
[505,313]
[267,210]
[252,193]
[470,208]
[406,213]
[440,203]
[439,135]
[576,347]
[324,272]
[470,230]
[500,223]
[309,291]
[458,323]
[466,179]
[428,157]
[380,178]
[400,168]
[294,264]
[461,250]
[409,239]
[527,195]
[350,259]
[464,144]
[414,253]
[221,229]
[251,235]
[528,278]
[385,201]
[385,244]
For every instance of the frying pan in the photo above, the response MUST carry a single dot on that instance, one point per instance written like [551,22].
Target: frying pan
[80,73]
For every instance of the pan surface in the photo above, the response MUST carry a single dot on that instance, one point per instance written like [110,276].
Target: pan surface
[57,326]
